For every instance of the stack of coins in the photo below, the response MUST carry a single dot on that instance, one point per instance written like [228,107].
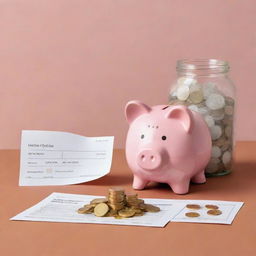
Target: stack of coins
[217,110]
[116,198]
[133,201]
[118,205]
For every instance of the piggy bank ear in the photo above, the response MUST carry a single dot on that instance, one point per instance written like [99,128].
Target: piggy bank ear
[135,108]
[183,115]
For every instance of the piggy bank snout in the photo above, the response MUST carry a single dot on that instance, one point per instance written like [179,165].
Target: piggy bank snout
[149,159]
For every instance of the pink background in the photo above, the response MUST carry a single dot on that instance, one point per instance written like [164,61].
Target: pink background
[72,65]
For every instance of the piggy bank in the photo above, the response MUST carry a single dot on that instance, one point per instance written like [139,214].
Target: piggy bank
[166,144]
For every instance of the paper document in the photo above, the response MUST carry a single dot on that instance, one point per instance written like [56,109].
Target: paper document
[61,158]
[60,207]
[228,211]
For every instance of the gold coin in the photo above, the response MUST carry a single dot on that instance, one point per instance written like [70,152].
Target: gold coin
[111,213]
[131,195]
[116,190]
[214,212]
[136,205]
[101,209]
[192,214]
[86,209]
[99,200]
[126,213]
[116,206]
[117,200]
[142,207]
[118,217]
[212,206]
[81,210]
[116,197]
[193,206]
[137,210]
[152,208]
[92,205]
[139,214]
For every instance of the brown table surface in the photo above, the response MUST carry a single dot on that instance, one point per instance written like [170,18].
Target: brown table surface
[42,238]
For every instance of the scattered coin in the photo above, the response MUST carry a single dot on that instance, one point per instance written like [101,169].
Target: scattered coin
[193,206]
[139,214]
[82,210]
[101,209]
[119,217]
[99,200]
[212,206]
[127,212]
[152,208]
[86,209]
[192,214]
[214,212]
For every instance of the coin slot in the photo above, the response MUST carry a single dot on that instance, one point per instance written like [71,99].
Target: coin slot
[165,107]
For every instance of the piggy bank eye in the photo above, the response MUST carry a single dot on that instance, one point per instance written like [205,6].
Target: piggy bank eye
[164,138]
[142,136]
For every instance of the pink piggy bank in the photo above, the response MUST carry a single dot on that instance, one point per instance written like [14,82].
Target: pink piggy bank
[167,144]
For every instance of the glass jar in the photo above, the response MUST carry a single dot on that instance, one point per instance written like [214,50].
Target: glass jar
[204,86]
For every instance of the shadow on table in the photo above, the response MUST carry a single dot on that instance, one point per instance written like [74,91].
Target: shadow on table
[111,180]
[242,179]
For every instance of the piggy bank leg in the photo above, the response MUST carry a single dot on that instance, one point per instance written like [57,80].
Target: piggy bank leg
[180,187]
[199,178]
[139,183]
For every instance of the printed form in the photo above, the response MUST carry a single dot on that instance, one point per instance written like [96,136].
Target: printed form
[62,207]
[61,158]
